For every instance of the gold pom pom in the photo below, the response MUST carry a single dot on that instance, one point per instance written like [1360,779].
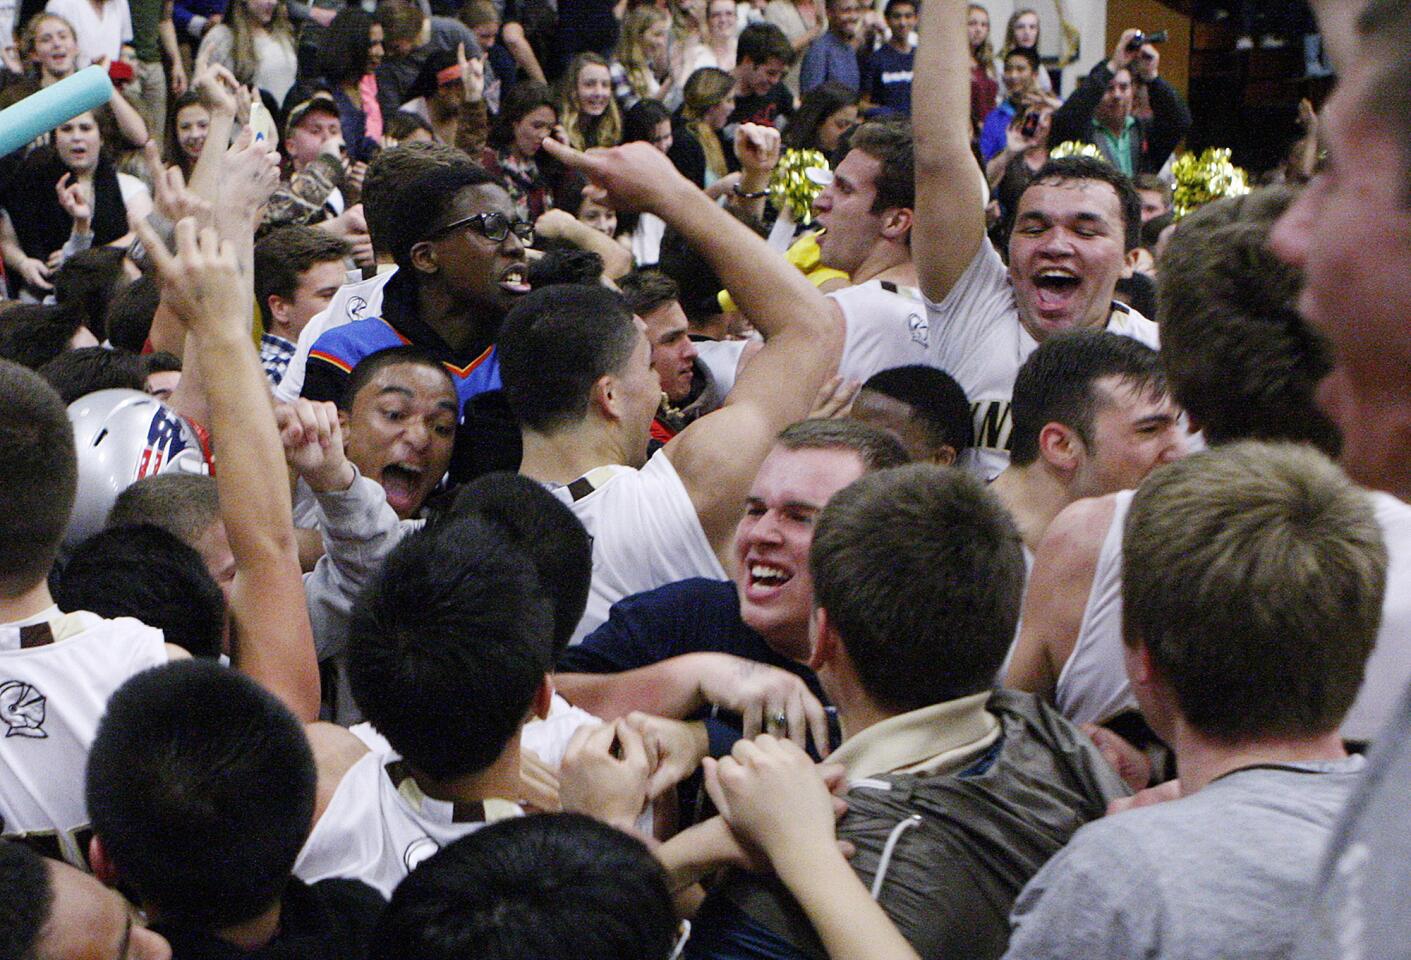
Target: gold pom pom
[1200,179]
[1075,148]
[797,181]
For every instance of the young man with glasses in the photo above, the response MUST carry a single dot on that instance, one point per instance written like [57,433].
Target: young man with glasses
[460,258]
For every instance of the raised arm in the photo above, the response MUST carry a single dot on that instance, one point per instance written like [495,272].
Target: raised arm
[950,214]
[718,455]
[272,641]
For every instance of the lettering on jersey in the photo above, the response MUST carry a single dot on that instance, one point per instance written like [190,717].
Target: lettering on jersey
[418,850]
[920,328]
[165,441]
[22,710]
[896,76]
[992,424]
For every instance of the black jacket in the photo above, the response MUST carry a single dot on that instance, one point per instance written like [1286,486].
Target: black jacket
[1153,140]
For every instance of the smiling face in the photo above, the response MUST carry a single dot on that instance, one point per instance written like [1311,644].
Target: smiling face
[757,79]
[844,210]
[1133,432]
[901,21]
[1018,76]
[79,142]
[673,351]
[1066,255]
[1350,233]
[485,277]
[721,19]
[531,130]
[593,89]
[598,216]
[401,430]
[55,49]
[773,538]
[192,121]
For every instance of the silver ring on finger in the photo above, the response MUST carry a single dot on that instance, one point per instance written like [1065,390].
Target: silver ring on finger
[778,724]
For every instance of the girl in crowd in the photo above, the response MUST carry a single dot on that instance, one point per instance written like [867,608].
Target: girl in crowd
[575,199]
[186,132]
[717,47]
[525,120]
[641,67]
[348,56]
[49,45]
[828,111]
[101,27]
[66,198]
[1022,31]
[984,83]
[256,43]
[587,108]
[648,120]
[697,151]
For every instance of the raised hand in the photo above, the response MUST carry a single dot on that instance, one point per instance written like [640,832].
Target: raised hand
[637,176]
[202,282]
[217,88]
[74,199]
[249,174]
[313,444]
[757,147]
[170,196]
[472,75]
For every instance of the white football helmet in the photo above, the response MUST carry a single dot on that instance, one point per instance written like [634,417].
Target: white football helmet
[123,436]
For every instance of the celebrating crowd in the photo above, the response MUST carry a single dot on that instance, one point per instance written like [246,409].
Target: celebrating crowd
[525,481]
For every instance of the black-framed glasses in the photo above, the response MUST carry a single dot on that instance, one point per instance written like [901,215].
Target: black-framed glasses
[494,227]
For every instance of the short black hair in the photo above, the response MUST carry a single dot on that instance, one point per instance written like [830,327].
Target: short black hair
[201,787]
[1151,230]
[547,530]
[146,573]
[283,255]
[374,363]
[1026,53]
[1056,384]
[1137,291]
[639,121]
[422,205]
[562,262]
[761,42]
[77,373]
[1081,167]
[448,645]
[887,10]
[32,334]
[557,886]
[404,124]
[38,477]
[938,402]
[160,361]
[90,279]
[555,344]
[390,171]
[29,896]
[645,290]
[921,572]
[818,105]
[185,505]
[130,314]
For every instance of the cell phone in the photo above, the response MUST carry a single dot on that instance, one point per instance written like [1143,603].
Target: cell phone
[1031,123]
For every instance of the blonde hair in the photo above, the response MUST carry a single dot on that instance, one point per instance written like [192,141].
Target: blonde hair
[584,131]
[632,53]
[704,89]
[985,55]
[242,36]
[31,29]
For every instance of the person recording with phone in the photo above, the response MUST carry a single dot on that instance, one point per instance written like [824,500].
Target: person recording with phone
[1100,111]
[1021,106]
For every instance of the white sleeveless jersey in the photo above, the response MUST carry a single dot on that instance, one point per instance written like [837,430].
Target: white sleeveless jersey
[645,533]
[1093,683]
[353,301]
[885,326]
[57,672]
[379,825]
[976,337]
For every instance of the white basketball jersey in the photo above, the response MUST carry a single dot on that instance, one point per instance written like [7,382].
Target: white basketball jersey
[57,672]
[885,326]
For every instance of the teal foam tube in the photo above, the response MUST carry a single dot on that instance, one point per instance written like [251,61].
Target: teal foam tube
[41,112]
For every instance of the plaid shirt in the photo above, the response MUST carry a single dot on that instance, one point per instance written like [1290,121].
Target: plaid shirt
[275,354]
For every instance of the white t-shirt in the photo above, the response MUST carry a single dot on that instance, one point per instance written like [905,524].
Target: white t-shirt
[1093,685]
[645,533]
[353,301]
[885,326]
[52,695]
[977,338]
[100,33]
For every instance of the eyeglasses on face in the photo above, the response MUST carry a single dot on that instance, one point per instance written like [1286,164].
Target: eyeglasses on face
[494,227]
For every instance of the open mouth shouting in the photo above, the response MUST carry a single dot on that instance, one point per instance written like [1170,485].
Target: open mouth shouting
[405,485]
[1055,289]
[515,279]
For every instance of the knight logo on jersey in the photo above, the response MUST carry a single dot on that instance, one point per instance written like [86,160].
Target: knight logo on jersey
[22,710]
[166,438]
